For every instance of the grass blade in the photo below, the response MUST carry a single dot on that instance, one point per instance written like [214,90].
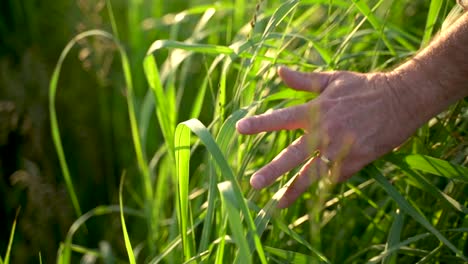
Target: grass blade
[374,21]
[131,112]
[230,206]
[401,245]
[432,165]
[163,105]
[128,244]
[280,14]
[10,240]
[424,184]
[194,47]
[228,130]
[202,132]
[434,11]
[182,158]
[404,205]
[291,256]
[200,97]
[394,236]
[64,251]
[223,140]
[295,236]
[110,12]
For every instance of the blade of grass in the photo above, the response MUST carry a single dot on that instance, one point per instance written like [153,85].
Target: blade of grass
[394,236]
[424,184]
[128,244]
[280,14]
[131,111]
[239,13]
[162,107]
[291,256]
[228,130]
[298,238]
[208,227]
[172,245]
[404,205]
[432,165]
[290,94]
[175,59]
[110,12]
[205,136]
[223,139]
[200,97]
[86,251]
[249,90]
[136,43]
[64,251]
[201,256]
[219,259]
[194,47]
[408,241]
[432,17]
[429,256]
[231,208]
[182,159]
[10,240]
[374,21]
[264,215]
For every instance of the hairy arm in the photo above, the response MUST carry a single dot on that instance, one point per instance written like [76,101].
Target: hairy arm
[436,77]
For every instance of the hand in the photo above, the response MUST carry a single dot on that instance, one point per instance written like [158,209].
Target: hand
[356,119]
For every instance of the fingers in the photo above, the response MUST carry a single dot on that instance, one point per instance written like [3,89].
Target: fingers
[287,160]
[311,82]
[309,173]
[333,164]
[347,168]
[287,118]
[292,117]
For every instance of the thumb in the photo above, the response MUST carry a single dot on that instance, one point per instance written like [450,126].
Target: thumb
[310,82]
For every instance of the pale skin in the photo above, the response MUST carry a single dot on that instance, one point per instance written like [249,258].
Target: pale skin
[357,117]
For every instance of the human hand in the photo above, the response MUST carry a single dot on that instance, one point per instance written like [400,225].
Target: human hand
[356,119]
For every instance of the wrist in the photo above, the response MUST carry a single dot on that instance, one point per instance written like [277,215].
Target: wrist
[436,77]
[413,95]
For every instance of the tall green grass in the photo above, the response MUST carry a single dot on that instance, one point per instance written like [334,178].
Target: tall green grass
[191,194]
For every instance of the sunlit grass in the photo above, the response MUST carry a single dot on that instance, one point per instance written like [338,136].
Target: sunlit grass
[194,200]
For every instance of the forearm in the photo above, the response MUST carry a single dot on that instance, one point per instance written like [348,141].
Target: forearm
[436,77]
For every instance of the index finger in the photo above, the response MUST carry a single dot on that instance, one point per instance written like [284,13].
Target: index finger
[287,118]
[310,82]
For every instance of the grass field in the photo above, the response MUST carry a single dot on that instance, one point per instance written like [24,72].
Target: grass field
[188,70]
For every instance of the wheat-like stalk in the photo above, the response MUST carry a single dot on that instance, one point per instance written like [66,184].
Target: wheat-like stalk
[258,6]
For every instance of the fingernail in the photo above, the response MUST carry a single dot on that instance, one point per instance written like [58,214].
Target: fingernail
[242,126]
[257,181]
